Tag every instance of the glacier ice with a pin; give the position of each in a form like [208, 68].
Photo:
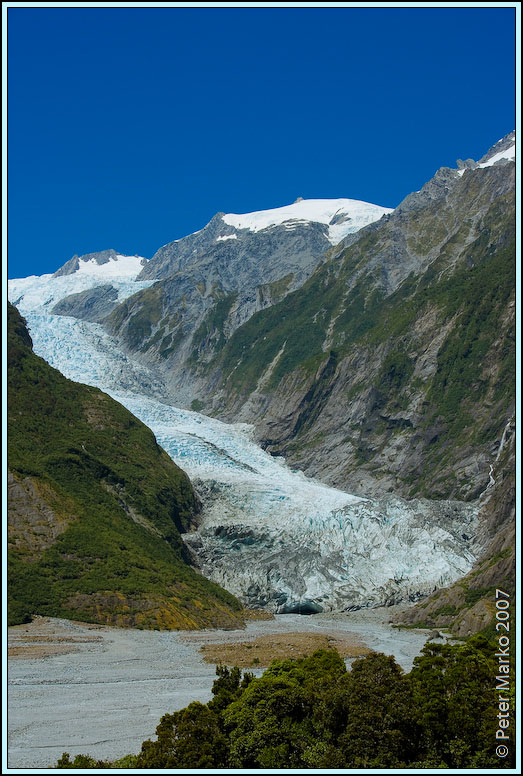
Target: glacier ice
[270, 535]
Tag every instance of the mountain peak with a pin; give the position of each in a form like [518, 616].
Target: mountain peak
[503, 149]
[342, 216]
[502, 152]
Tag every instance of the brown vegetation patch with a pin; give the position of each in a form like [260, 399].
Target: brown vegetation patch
[96, 412]
[154, 612]
[45, 637]
[32, 651]
[263, 650]
[257, 614]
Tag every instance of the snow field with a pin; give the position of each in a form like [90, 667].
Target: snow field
[357, 214]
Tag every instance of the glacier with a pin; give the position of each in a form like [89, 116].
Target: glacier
[273, 537]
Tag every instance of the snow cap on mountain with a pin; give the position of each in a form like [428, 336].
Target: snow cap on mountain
[502, 152]
[342, 216]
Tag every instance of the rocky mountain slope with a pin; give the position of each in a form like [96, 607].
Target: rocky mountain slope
[212, 281]
[469, 604]
[389, 369]
[95, 509]
[392, 367]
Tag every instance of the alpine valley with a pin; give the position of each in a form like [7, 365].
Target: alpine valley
[336, 379]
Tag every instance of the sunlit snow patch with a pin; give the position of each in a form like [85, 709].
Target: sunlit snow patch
[343, 216]
[118, 267]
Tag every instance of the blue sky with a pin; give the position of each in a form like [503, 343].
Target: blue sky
[131, 127]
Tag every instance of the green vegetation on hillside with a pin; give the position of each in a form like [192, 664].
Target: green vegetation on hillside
[211, 328]
[142, 324]
[476, 292]
[310, 713]
[96, 508]
[256, 344]
[142, 311]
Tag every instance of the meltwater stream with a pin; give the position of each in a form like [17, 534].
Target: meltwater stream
[270, 535]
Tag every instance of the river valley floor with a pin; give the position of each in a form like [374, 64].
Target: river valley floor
[96, 690]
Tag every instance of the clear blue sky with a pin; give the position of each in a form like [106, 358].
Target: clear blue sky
[132, 127]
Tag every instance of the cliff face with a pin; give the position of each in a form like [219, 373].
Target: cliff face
[392, 368]
[95, 509]
[469, 605]
[211, 282]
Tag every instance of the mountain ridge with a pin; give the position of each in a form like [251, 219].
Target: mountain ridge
[172, 257]
[378, 258]
[189, 326]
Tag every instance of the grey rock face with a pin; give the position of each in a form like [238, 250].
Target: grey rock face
[179, 254]
[337, 425]
[209, 287]
[339, 218]
[32, 524]
[246, 259]
[434, 190]
[469, 164]
[94, 304]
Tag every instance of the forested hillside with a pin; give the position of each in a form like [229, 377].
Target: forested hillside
[95, 509]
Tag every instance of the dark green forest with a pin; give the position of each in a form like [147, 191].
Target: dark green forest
[314, 713]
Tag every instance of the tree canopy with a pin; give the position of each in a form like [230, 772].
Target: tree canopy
[313, 713]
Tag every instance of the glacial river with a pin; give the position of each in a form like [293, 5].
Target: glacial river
[107, 696]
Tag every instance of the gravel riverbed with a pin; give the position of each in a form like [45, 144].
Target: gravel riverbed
[88, 689]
